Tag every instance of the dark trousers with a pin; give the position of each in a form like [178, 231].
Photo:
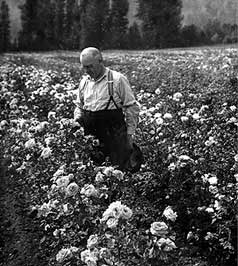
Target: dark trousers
[110, 128]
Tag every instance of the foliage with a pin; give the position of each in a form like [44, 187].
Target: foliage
[179, 209]
[93, 22]
[5, 43]
[212, 33]
[161, 22]
[119, 23]
[134, 39]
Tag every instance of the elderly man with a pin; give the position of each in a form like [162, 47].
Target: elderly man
[107, 108]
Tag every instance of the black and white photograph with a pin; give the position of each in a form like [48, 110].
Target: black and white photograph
[118, 132]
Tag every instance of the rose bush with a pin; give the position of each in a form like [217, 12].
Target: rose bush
[180, 205]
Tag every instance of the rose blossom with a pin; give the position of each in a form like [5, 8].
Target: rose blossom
[104, 253]
[72, 189]
[233, 108]
[126, 213]
[112, 222]
[209, 210]
[184, 118]
[63, 254]
[159, 121]
[89, 191]
[46, 153]
[91, 261]
[157, 91]
[63, 181]
[166, 244]
[108, 171]
[212, 180]
[167, 116]
[196, 116]
[118, 174]
[92, 241]
[30, 143]
[84, 254]
[236, 158]
[159, 228]
[44, 209]
[170, 214]
[99, 177]
[177, 96]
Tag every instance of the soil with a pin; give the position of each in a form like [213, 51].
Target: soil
[20, 233]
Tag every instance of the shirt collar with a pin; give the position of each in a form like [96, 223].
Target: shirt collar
[102, 77]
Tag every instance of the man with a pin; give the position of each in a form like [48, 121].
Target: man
[107, 108]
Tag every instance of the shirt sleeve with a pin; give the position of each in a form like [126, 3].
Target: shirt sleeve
[79, 101]
[130, 105]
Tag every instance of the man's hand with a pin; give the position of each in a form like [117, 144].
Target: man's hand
[130, 141]
[79, 120]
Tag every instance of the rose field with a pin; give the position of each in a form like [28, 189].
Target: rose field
[58, 208]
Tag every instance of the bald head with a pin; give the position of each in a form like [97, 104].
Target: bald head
[91, 61]
[91, 54]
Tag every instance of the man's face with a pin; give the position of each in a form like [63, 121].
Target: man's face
[92, 66]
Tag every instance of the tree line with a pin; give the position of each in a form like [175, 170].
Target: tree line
[75, 24]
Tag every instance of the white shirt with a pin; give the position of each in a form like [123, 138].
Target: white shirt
[94, 96]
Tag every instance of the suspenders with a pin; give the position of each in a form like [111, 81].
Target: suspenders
[110, 89]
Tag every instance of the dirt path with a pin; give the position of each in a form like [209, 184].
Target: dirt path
[19, 230]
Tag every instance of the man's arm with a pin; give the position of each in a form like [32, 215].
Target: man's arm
[79, 101]
[130, 105]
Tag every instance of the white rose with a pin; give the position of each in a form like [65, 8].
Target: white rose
[92, 241]
[232, 120]
[170, 214]
[209, 210]
[166, 244]
[99, 177]
[108, 171]
[217, 205]
[51, 115]
[213, 189]
[42, 126]
[159, 228]
[63, 254]
[177, 96]
[49, 140]
[63, 181]
[116, 209]
[159, 121]
[157, 115]
[104, 253]
[118, 174]
[85, 254]
[184, 158]
[89, 191]
[126, 213]
[44, 209]
[172, 167]
[167, 116]
[196, 116]
[112, 222]
[212, 180]
[184, 118]
[46, 153]
[72, 189]
[233, 108]
[30, 144]
[91, 261]
[3, 124]
[236, 177]
[157, 91]
[236, 158]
